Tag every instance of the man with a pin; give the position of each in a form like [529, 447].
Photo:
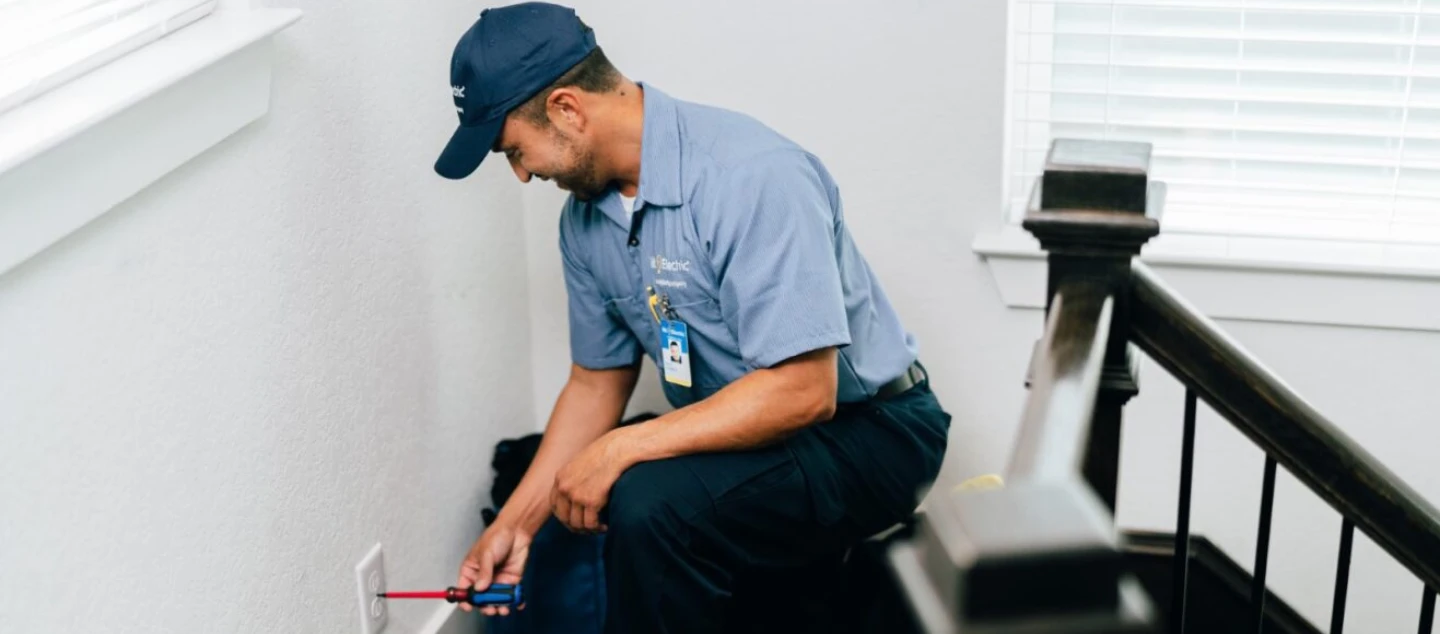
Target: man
[803, 422]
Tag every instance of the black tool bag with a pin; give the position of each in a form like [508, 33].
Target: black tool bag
[512, 457]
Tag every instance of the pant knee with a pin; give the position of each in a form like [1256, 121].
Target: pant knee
[651, 503]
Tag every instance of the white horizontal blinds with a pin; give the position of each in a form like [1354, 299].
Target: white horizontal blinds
[1305, 118]
[44, 43]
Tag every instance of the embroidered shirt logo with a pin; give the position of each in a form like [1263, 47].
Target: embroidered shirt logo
[662, 265]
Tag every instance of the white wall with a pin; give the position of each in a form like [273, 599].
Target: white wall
[217, 397]
[904, 103]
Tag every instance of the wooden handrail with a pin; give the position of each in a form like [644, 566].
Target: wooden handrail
[1065, 378]
[1282, 423]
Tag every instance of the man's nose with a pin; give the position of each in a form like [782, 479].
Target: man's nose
[520, 172]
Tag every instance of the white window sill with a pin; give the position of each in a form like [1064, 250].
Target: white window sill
[1258, 279]
[71, 154]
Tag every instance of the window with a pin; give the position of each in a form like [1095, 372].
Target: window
[44, 43]
[1293, 118]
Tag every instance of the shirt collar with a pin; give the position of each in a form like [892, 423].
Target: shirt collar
[659, 150]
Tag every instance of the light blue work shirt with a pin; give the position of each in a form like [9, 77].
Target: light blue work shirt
[743, 233]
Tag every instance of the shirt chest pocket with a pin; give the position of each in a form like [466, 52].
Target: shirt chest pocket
[694, 307]
[683, 283]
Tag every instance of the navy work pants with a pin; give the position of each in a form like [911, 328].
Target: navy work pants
[682, 530]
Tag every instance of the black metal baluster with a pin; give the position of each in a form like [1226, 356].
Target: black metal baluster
[1181, 567]
[1427, 611]
[1342, 577]
[1262, 545]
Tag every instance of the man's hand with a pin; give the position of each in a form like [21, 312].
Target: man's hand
[498, 556]
[582, 487]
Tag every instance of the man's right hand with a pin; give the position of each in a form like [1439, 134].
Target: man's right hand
[590, 405]
[497, 557]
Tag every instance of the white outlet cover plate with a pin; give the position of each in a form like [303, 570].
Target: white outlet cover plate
[369, 580]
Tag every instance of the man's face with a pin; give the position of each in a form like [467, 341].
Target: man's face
[552, 154]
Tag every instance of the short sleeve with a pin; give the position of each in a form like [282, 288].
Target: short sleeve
[598, 338]
[775, 253]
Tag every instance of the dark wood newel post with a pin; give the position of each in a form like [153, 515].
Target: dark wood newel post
[1092, 210]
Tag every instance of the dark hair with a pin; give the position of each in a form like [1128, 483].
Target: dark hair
[594, 74]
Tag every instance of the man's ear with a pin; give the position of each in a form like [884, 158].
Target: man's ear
[566, 109]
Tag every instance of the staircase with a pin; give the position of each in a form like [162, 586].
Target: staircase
[1218, 591]
[1043, 554]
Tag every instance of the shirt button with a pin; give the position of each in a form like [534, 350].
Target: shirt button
[634, 242]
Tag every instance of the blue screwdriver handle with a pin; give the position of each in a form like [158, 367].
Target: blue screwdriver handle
[498, 594]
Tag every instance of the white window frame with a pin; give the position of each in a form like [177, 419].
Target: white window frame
[72, 153]
[1269, 279]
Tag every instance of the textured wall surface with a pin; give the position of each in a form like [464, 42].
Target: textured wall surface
[217, 397]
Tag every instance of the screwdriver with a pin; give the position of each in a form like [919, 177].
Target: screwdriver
[497, 594]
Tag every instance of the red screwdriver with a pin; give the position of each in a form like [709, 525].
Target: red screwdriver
[497, 594]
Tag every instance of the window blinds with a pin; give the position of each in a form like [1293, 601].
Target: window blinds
[44, 43]
[1297, 118]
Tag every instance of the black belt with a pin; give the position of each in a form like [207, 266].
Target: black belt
[911, 377]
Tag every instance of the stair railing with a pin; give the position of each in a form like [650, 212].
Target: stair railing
[1043, 554]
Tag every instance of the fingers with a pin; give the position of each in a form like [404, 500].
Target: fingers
[501, 610]
[592, 519]
[577, 517]
[571, 513]
[484, 571]
[562, 511]
[487, 571]
[469, 572]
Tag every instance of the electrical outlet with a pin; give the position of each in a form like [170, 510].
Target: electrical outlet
[370, 580]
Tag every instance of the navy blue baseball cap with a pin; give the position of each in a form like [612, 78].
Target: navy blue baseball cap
[505, 58]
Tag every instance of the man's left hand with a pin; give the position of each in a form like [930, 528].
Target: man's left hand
[582, 487]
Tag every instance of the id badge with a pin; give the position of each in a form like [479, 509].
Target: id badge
[675, 351]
